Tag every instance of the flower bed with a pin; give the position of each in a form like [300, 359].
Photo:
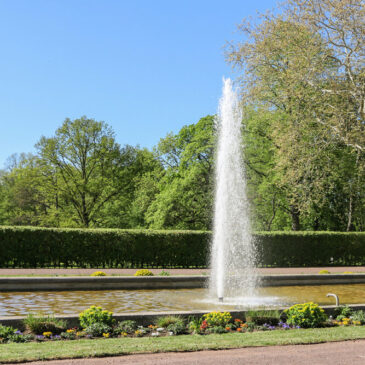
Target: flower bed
[98, 323]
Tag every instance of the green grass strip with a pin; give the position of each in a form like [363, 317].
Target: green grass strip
[121, 346]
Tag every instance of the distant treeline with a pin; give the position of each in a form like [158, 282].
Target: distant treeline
[303, 100]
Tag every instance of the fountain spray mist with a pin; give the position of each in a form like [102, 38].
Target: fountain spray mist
[232, 254]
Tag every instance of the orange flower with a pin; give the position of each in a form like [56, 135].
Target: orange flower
[239, 329]
[243, 325]
[228, 328]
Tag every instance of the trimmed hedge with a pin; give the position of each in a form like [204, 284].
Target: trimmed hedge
[51, 247]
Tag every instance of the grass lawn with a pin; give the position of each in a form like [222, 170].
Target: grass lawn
[118, 346]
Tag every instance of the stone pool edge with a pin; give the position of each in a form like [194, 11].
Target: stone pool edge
[147, 318]
[162, 282]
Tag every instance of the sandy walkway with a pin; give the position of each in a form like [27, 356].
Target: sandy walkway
[266, 271]
[333, 353]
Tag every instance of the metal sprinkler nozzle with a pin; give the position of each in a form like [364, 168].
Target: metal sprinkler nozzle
[220, 299]
[336, 298]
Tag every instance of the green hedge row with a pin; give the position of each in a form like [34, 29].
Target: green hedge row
[51, 247]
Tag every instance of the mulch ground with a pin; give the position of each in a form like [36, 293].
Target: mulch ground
[334, 353]
[266, 271]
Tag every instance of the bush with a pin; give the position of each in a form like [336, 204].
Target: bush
[323, 272]
[344, 311]
[97, 329]
[261, 317]
[178, 327]
[143, 272]
[6, 333]
[55, 247]
[127, 326]
[358, 316]
[305, 315]
[98, 273]
[40, 324]
[166, 321]
[94, 315]
[217, 319]
[164, 273]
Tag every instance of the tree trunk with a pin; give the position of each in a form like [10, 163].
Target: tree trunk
[350, 226]
[295, 223]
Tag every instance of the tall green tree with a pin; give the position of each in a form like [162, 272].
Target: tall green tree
[90, 166]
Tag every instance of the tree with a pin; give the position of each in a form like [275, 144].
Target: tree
[293, 70]
[184, 198]
[89, 165]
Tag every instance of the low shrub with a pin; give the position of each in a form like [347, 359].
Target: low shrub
[97, 329]
[194, 325]
[216, 319]
[217, 329]
[98, 273]
[40, 324]
[343, 311]
[95, 315]
[164, 273]
[6, 333]
[262, 317]
[125, 326]
[323, 272]
[143, 272]
[305, 315]
[178, 327]
[358, 316]
[166, 321]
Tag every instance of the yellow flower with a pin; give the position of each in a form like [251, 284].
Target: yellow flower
[124, 334]
[106, 335]
[47, 334]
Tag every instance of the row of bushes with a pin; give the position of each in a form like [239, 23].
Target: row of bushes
[108, 248]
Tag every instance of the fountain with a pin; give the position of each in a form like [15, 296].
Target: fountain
[233, 273]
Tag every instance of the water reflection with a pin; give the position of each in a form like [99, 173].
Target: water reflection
[132, 301]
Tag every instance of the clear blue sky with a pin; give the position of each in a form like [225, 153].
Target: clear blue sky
[146, 67]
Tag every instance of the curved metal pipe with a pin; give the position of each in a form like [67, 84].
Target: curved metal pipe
[336, 298]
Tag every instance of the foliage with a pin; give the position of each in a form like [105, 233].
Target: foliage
[6, 332]
[260, 317]
[45, 247]
[194, 325]
[94, 315]
[40, 324]
[342, 312]
[178, 327]
[164, 273]
[40, 247]
[97, 329]
[127, 326]
[166, 321]
[322, 272]
[98, 273]
[215, 319]
[305, 315]
[358, 316]
[302, 75]
[143, 272]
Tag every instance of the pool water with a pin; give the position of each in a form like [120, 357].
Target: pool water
[134, 301]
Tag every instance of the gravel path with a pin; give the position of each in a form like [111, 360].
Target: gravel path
[334, 353]
[266, 271]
